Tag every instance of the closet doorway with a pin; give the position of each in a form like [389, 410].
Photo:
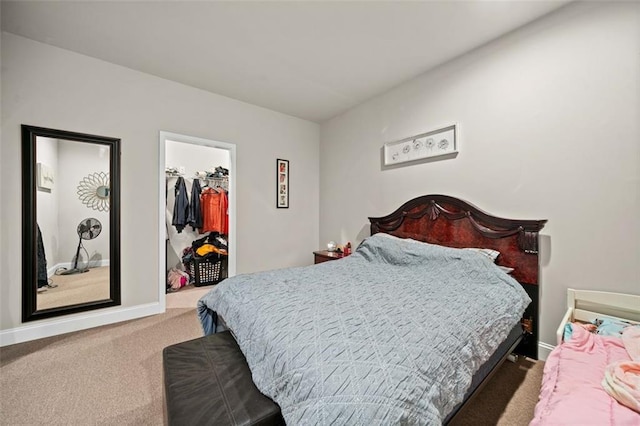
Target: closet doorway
[187, 162]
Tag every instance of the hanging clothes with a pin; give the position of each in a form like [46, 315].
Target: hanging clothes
[215, 206]
[195, 212]
[181, 206]
[41, 259]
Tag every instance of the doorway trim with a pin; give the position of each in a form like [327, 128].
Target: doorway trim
[162, 230]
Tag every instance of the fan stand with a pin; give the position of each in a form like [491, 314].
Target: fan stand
[75, 269]
[89, 229]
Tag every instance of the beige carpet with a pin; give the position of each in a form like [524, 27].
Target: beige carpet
[76, 288]
[508, 399]
[112, 375]
[186, 297]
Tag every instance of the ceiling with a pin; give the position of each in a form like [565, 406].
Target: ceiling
[312, 60]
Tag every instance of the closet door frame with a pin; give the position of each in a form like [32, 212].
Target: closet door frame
[162, 231]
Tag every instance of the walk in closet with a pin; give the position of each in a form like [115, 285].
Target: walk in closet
[197, 214]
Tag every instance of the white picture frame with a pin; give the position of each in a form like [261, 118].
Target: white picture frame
[436, 143]
[45, 176]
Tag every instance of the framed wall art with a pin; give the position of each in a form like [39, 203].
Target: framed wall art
[436, 143]
[45, 177]
[282, 192]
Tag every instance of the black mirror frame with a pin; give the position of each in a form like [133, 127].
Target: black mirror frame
[30, 310]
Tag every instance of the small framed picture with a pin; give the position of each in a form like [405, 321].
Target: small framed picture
[45, 177]
[282, 184]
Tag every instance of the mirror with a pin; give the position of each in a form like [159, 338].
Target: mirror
[71, 222]
[103, 192]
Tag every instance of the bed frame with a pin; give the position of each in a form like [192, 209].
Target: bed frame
[449, 221]
[588, 305]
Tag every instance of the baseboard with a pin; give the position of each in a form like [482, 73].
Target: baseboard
[67, 265]
[544, 349]
[69, 323]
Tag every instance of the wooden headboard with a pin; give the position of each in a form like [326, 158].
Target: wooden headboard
[449, 221]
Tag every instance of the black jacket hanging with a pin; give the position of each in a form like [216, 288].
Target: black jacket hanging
[194, 217]
[42, 259]
[181, 206]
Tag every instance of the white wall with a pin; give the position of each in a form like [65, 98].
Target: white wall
[47, 200]
[548, 120]
[1, 141]
[195, 158]
[78, 93]
[77, 161]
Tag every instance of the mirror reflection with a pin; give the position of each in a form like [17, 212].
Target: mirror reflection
[103, 192]
[73, 246]
[71, 222]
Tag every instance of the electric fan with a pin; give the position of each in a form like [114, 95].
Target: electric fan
[88, 229]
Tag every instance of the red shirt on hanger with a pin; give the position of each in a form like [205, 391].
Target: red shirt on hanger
[214, 204]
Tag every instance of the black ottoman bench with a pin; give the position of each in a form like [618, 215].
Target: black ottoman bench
[207, 382]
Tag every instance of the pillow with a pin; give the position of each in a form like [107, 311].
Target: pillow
[611, 327]
[491, 254]
[406, 240]
[505, 269]
[382, 234]
[603, 327]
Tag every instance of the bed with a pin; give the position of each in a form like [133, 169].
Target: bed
[405, 330]
[599, 334]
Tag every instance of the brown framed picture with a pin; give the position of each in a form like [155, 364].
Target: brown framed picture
[282, 184]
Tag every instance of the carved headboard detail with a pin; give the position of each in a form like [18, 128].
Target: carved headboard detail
[449, 221]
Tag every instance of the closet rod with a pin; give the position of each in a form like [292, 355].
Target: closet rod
[223, 179]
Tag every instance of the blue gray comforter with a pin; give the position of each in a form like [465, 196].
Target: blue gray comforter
[389, 335]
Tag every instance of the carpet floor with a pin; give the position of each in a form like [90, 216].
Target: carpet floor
[112, 375]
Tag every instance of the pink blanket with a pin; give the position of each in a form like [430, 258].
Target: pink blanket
[572, 393]
[622, 378]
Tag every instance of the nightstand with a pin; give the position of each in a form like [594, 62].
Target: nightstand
[325, 256]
